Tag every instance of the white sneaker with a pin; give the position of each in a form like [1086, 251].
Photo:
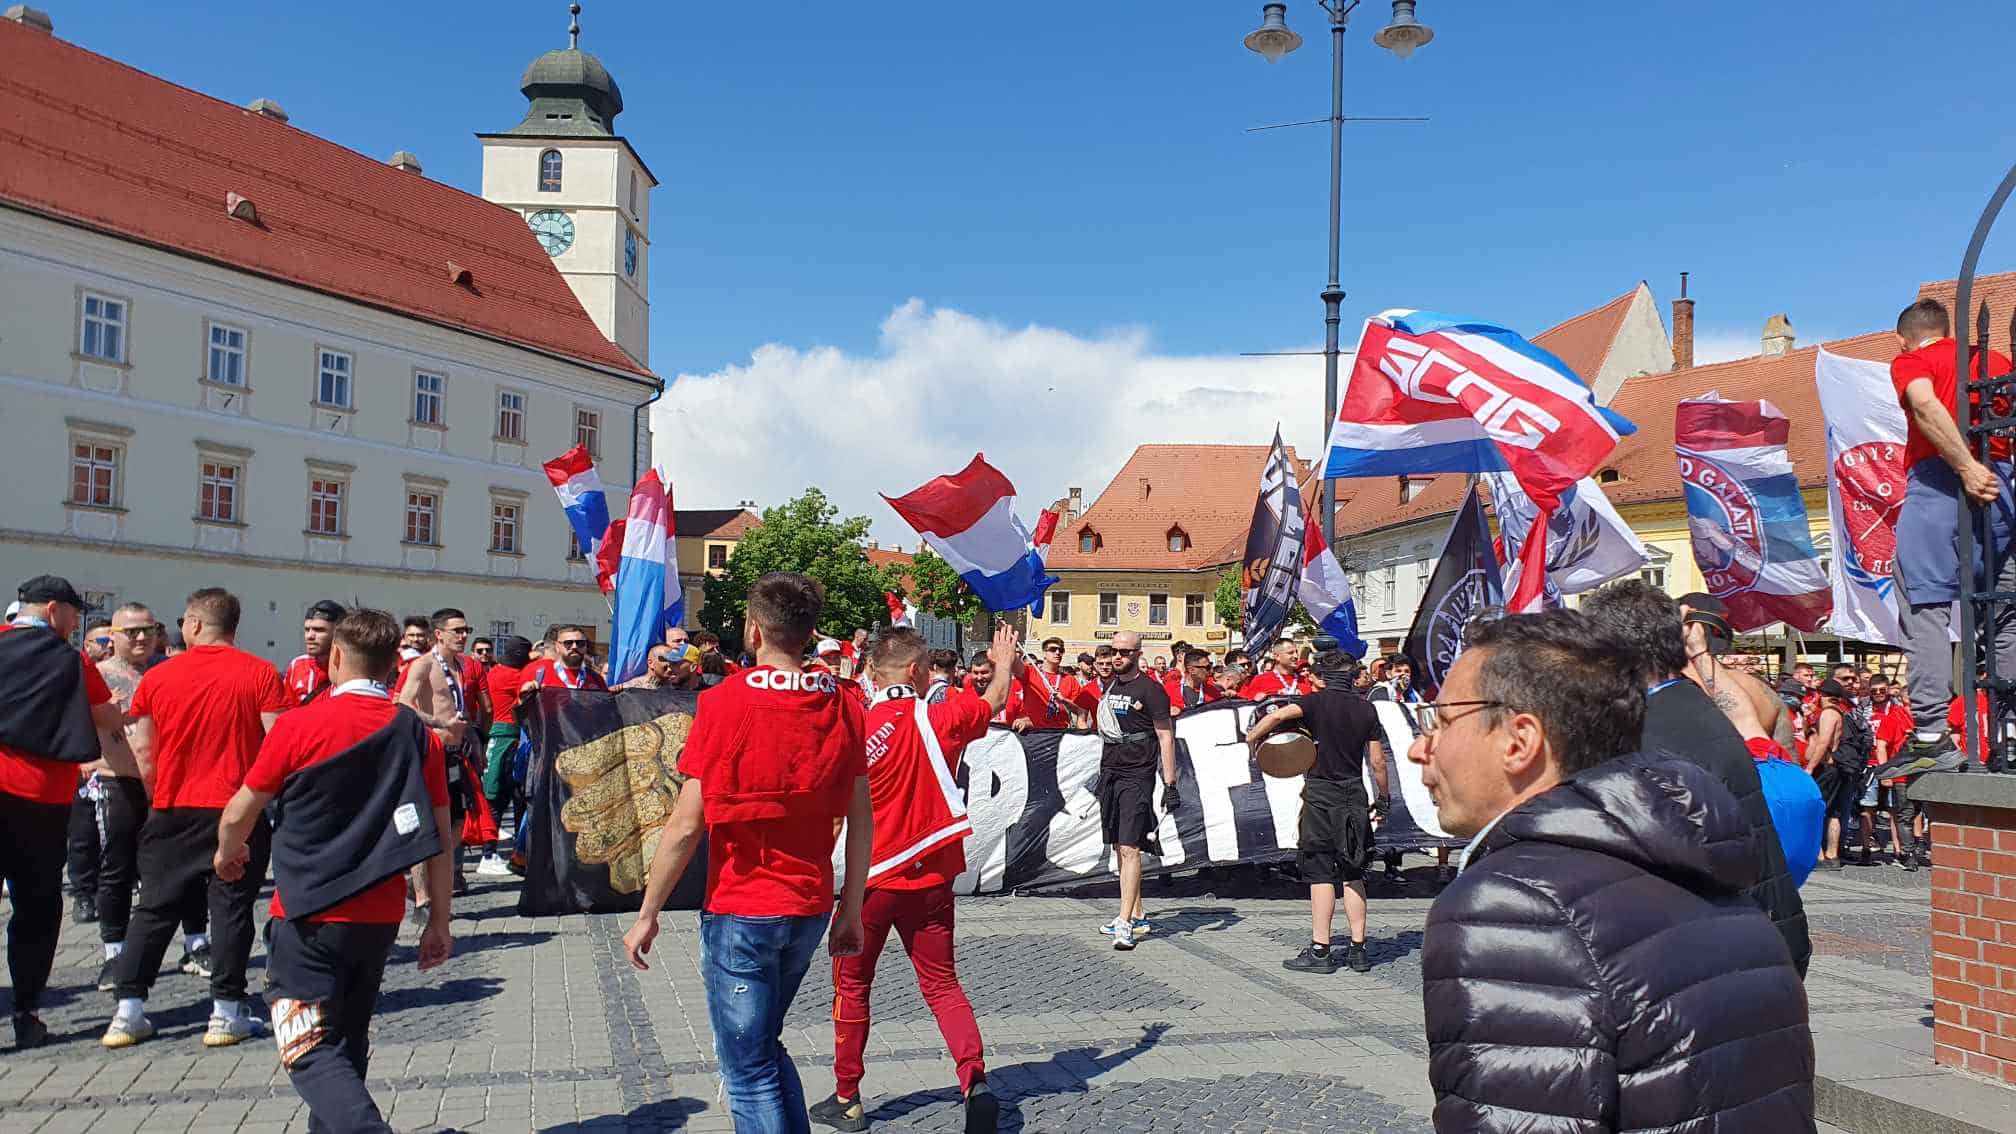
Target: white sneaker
[124, 1032]
[228, 1031]
[493, 866]
[1123, 935]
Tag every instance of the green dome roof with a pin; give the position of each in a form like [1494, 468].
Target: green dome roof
[572, 76]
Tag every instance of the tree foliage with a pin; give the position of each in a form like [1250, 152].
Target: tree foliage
[807, 535]
[938, 590]
[1230, 599]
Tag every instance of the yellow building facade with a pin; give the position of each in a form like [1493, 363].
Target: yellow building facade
[1087, 608]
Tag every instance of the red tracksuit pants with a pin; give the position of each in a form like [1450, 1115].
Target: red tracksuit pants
[922, 919]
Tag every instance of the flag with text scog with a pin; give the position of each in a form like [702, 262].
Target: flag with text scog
[1465, 586]
[1745, 515]
[1588, 543]
[1865, 454]
[969, 519]
[1433, 393]
[579, 488]
[1273, 562]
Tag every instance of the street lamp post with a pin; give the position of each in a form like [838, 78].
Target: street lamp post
[1272, 40]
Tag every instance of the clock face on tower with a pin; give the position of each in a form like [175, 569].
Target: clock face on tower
[629, 252]
[554, 229]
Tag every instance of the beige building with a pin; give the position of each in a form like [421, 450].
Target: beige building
[1148, 553]
[706, 537]
[283, 367]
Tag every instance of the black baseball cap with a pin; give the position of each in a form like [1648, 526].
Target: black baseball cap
[1833, 688]
[49, 588]
[1712, 614]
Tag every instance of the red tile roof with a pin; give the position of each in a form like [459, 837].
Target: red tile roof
[93, 142]
[714, 523]
[1207, 490]
[1584, 341]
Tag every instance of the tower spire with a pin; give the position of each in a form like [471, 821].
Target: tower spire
[574, 27]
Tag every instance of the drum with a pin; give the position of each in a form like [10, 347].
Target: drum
[1289, 750]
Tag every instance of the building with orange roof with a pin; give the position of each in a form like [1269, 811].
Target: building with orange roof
[240, 354]
[705, 538]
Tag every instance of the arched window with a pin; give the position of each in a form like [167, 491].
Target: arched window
[1608, 476]
[549, 171]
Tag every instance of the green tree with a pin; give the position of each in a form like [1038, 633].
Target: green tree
[1230, 599]
[937, 589]
[807, 535]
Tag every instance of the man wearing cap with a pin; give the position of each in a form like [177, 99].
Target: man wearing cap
[828, 656]
[54, 709]
[1837, 753]
[1747, 702]
[666, 668]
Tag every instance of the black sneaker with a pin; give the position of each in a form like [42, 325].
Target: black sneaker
[29, 1031]
[84, 910]
[983, 1110]
[1310, 961]
[196, 962]
[840, 1116]
[105, 981]
[1355, 957]
[1864, 858]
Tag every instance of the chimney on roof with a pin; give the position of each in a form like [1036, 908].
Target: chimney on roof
[874, 545]
[1683, 328]
[1077, 497]
[30, 17]
[268, 108]
[406, 160]
[1778, 337]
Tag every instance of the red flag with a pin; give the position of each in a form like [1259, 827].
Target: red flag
[899, 615]
[609, 555]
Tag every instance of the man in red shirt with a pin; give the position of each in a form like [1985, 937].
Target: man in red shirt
[199, 718]
[308, 674]
[1940, 467]
[1890, 719]
[775, 756]
[352, 774]
[1193, 689]
[1049, 695]
[569, 669]
[919, 848]
[501, 681]
[41, 696]
[1283, 680]
[980, 674]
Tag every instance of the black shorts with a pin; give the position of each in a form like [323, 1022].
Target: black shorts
[1127, 808]
[1335, 838]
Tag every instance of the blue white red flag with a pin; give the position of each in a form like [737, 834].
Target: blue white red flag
[969, 519]
[1746, 516]
[579, 487]
[1588, 543]
[1325, 592]
[1046, 529]
[1437, 393]
[649, 599]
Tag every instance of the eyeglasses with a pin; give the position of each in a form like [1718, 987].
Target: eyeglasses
[455, 629]
[1118, 652]
[1053, 649]
[573, 644]
[104, 641]
[1435, 716]
[136, 631]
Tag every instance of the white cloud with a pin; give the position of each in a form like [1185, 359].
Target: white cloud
[1726, 346]
[1049, 408]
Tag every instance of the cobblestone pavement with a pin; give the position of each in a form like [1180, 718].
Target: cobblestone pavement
[539, 1025]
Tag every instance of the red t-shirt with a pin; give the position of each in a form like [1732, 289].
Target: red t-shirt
[1272, 684]
[502, 683]
[1173, 685]
[958, 720]
[205, 704]
[1934, 362]
[310, 735]
[1893, 726]
[1011, 709]
[550, 674]
[48, 781]
[1984, 736]
[1046, 699]
[305, 677]
[775, 867]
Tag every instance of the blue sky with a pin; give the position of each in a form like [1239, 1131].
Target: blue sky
[1082, 167]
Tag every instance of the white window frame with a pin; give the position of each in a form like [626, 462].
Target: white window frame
[105, 455]
[337, 369]
[588, 432]
[507, 519]
[224, 477]
[113, 318]
[508, 412]
[1197, 604]
[1158, 610]
[503, 628]
[214, 351]
[323, 489]
[1389, 588]
[1179, 541]
[1109, 600]
[438, 396]
[1060, 607]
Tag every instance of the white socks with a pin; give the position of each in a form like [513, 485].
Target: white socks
[113, 949]
[195, 941]
[228, 1009]
[130, 1008]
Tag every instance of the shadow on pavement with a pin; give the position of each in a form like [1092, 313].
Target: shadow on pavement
[670, 1114]
[1065, 1072]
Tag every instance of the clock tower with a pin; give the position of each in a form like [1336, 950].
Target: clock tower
[582, 189]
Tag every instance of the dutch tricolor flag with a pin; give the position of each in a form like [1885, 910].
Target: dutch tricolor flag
[969, 519]
[579, 487]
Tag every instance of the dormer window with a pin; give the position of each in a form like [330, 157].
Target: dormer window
[1088, 541]
[1608, 476]
[1179, 540]
[549, 171]
[1411, 486]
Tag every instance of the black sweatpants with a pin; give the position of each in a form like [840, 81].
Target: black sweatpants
[119, 813]
[176, 846]
[84, 849]
[322, 982]
[33, 839]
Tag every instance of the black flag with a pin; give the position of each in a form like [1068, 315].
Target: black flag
[1465, 585]
[1273, 551]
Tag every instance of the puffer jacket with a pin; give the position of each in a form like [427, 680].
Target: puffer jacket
[1597, 967]
[1681, 721]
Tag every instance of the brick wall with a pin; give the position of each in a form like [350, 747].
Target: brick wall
[1974, 939]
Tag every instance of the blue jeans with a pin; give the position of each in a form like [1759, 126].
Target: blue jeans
[753, 966]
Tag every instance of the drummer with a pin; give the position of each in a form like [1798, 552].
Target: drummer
[1335, 841]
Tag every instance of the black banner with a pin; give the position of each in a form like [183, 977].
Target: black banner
[1465, 584]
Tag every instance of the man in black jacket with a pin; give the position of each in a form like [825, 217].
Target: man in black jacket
[1681, 721]
[1596, 965]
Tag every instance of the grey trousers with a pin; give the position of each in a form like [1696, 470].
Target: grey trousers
[1928, 631]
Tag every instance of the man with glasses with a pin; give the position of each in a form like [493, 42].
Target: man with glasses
[1049, 694]
[569, 668]
[308, 673]
[1139, 739]
[1283, 680]
[1597, 962]
[98, 639]
[1194, 688]
[483, 650]
[445, 688]
[665, 668]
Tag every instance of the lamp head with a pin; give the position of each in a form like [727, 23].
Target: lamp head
[1404, 33]
[1273, 39]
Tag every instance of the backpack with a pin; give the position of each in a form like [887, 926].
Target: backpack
[1857, 745]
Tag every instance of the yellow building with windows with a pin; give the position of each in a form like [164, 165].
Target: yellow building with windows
[705, 538]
